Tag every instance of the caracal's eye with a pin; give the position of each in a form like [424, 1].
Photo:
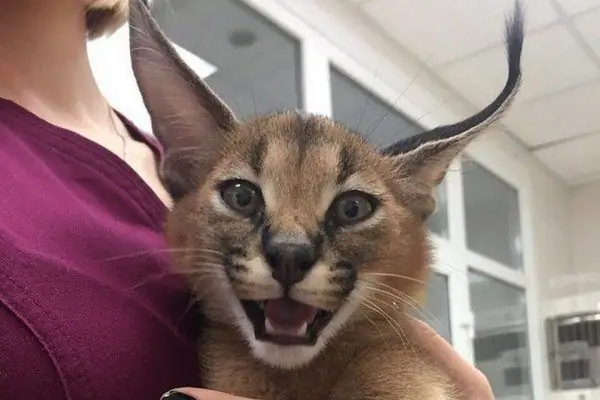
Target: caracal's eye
[353, 207]
[241, 196]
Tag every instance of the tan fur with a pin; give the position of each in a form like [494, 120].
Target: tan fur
[363, 363]
[104, 17]
[397, 246]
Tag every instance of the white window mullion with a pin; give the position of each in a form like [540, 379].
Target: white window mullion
[536, 333]
[456, 205]
[450, 262]
[316, 80]
[496, 270]
[462, 322]
[462, 319]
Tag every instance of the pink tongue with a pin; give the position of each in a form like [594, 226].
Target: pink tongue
[289, 314]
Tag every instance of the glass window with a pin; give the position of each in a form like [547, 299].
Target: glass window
[360, 110]
[493, 223]
[501, 347]
[436, 310]
[257, 64]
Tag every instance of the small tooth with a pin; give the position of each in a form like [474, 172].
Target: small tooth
[302, 330]
[269, 328]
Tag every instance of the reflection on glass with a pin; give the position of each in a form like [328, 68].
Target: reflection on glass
[437, 305]
[257, 63]
[493, 222]
[500, 345]
[360, 110]
[438, 221]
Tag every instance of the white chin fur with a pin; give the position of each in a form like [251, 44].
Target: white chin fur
[291, 357]
[285, 357]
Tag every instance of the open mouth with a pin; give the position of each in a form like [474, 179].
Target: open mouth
[286, 321]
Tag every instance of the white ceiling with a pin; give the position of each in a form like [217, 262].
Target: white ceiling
[557, 114]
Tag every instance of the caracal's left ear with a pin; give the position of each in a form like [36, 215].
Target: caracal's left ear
[188, 119]
[422, 161]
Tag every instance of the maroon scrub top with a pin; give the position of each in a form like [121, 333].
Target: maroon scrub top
[88, 309]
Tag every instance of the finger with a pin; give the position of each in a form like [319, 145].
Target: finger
[198, 394]
[470, 379]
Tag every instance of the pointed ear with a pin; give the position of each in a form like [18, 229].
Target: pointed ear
[188, 119]
[424, 159]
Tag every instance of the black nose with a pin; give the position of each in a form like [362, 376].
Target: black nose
[290, 262]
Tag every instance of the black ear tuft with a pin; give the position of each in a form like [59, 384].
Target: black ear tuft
[188, 119]
[427, 156]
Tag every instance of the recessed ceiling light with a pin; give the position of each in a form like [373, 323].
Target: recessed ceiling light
[242, 38]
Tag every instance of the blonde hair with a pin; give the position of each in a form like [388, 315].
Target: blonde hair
[103, 17]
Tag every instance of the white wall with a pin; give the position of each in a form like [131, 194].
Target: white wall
[585, 240]
[552, 253]
[576, 286]
[552, 225]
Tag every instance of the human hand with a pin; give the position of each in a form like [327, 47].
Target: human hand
[472, 382]
[198, 394]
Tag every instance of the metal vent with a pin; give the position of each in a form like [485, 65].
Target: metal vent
[574, 351]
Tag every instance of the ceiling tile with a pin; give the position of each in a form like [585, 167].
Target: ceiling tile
[588, 24]
[551, 62]
[437, 31]
[574, 161]
[577, 6]
[562, 115]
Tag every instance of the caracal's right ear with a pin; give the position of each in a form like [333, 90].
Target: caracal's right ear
[189, 120]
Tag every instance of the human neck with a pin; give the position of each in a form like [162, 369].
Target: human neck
[44, 64]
